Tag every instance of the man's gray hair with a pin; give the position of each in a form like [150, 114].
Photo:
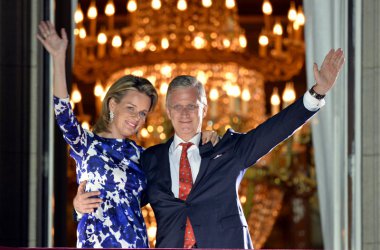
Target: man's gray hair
[185, 81]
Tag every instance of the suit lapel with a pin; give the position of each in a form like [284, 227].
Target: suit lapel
[165, 167]
[205, 151]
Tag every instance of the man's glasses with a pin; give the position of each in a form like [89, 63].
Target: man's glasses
[190, 108]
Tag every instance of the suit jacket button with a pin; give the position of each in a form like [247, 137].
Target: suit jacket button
[188, 204]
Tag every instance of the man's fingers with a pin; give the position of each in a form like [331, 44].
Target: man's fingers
[90, 201]
[81, 187]
[87, 211]
[214, 139]
[91, 206]
[89, 195]
[316, 72]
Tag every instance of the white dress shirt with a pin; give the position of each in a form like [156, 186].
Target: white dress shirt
[311, 103]
[193, 155]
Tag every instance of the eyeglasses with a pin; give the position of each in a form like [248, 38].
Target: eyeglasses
[191, 108]
[140, 114]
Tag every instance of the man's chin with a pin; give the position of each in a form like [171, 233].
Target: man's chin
[186, 134]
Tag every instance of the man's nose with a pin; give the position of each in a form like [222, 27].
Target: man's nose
[185, 111]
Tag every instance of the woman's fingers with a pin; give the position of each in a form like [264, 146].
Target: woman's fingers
[63, 34]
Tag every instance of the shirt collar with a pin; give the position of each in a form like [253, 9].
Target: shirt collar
[195, 140]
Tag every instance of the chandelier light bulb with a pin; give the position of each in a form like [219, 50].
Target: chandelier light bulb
[199, 42]
[206, 3]
[156, 4]
[160, 129]
[182, 5]
[78, 15]
[202, 77]
[263, 40]
[246, 95]
[226, 43]
[145, 134]
[166, 70]
[98, 89]
[296, 25]
[85, 125]
[292, 13]
[277, 29]
[163, 88]
[230, 76]
[236, 91]
[92, 12]
[289, 94]
[214, 94]
[275, 98]
[233, 90]
[72, 104]
[230, 4]
[243, 41]
[116, 41]
[164, 43]
[300, 16]
[132, 6]
[152, 79]
[76, 96]
[267, 7]
[110, 8]
[140, 45]
[150, 128]
[162, 136]
[82, 33]
[102, 38]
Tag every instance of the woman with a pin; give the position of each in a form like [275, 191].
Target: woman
[106, 158]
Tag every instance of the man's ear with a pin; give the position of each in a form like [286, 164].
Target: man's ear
[168, 112]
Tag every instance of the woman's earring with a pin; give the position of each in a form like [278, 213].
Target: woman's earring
[112, 115]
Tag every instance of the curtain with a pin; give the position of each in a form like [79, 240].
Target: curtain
[325, 28]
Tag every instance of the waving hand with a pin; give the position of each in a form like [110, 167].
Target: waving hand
[49, 38]
[326, 76]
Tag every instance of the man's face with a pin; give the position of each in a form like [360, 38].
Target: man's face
[186, 112]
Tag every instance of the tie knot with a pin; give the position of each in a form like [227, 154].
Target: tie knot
[186, 145]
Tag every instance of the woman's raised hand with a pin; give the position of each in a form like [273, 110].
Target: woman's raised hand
[54, 44]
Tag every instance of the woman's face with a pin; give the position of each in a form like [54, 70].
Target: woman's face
[130, 114]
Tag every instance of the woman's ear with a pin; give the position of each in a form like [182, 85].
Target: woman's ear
[111, 104]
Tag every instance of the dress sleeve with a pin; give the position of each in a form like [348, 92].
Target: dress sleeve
[73, 133]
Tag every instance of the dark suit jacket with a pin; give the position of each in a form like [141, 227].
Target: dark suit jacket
[213, 205]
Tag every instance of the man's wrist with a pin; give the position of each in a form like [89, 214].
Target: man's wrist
[316, 94]
[77, 216]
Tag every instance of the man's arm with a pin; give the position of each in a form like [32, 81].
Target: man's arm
[256, 143]
[84, 202]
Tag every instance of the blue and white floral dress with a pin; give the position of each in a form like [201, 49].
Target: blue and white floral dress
[112, 167]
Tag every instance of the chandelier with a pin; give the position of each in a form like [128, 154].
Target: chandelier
[160, 39]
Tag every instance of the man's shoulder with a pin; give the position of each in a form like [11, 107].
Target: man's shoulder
[155, 148]
[159, 147]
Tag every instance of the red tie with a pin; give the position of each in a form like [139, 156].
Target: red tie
[185, 185]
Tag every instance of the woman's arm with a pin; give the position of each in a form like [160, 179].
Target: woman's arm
[56, 46]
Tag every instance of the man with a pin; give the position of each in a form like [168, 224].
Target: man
[193, 189]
